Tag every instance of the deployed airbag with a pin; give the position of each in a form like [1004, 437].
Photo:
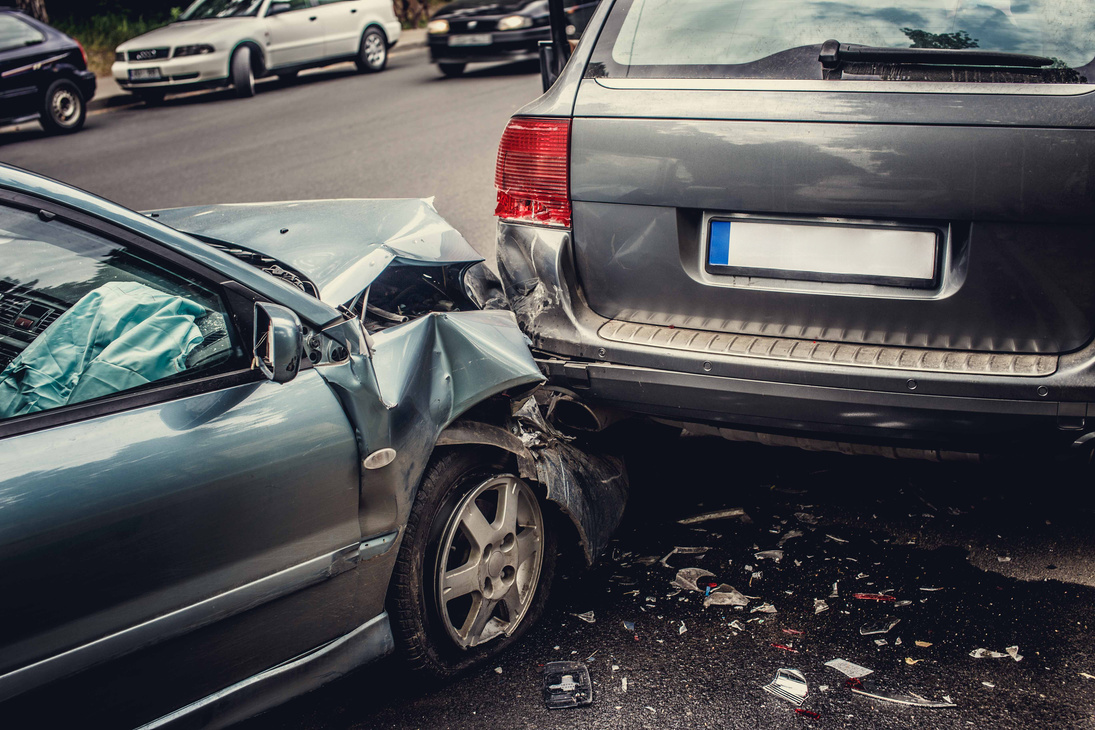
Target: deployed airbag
[119, 336]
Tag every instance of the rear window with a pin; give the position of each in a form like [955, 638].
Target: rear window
[783, 38]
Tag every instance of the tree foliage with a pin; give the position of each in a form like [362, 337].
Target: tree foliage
[924, 39]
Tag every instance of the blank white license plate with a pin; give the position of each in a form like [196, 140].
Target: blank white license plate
[474, 39]
[838, 253]
[144, 74]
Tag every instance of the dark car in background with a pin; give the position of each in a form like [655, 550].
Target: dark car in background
[43, 75]
[482, 31]
[859, 226]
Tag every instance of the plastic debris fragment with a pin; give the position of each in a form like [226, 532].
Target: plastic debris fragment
[848, 669]
[820, 605]
[717, 515]
[882, 597]
[623, 684]
[789, 535]
[790, 685]
[878, 627]
[912, 662]
[725, 595]
[806, 518]
[880, 642]
[987, 654]
[834, 538]
[736, 625]
[683, 551]
[990, 685]
[835, 593]
[566, 684]
[629, 625]
[773, 555]
[763, 608]
[587, 617]
[1085, 675]
[498, 670]
[688, 578]
[923, 644]
[794, 632]
[681, 629]
[911, 698]
[808, 713]
[785, 647]
[1013, 652]
[930, 589]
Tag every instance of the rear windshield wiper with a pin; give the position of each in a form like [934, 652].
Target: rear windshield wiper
[833, 54]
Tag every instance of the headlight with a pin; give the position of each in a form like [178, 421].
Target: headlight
[513, 22]
[119, 56]
[199, 50]
[438, 26]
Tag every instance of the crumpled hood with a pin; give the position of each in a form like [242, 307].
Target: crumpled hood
[213, 31]
[340, 245]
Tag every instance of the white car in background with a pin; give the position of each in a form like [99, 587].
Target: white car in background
[233, 42]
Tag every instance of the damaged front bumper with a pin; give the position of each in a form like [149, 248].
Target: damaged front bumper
[917, 414]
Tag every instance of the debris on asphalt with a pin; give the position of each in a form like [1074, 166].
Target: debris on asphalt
[773, 555]
[881, 642]
[785, 647]
[763, 608]
[789, 535]
[990, 685]
[794, 632]
[878, 627]
[623, 685]
[681, 629]
[910, 698]
[987, 654]
[819, 606]
[912, 662]
[717, 515]
[725, 595]
[808, 713]
[587, 617]
[1003, 558]
[806, 518]
[566, 684]
[835, 593]
[882, 597]
[790, 685]
[834, 538]
[678, 550]
[1013, 652]
[930, 589]
[848, 669]
[1085, 675]
[923, 644]
[687, 578]
[736, 625]
[498, 670]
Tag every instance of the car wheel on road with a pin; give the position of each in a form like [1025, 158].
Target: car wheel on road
[372, 56]
[475, 566]
[452, 69]
[243, 73]
[63, 108]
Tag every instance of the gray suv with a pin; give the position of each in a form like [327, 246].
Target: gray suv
[843, 226]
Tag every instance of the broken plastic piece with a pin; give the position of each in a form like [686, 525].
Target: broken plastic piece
[873, 597]
[930, 589]
[806, 518]
[848, 669]
[629, 625]
[725, 595]
[835, 593]
[912, 662]
[688, 578]
[784, 647]
[1013, 652]
[710, 516]
[588, 617]
[681, 629]
[820, 605]
[774, 555]
[911, 698]
[682, 551]
[567, 684]
[878, 627]
[763, 608]
[808, 713]
[789, 535]
[880, 642]
[790, 685]
[987, 654]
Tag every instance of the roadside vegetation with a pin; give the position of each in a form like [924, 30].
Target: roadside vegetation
[101, 34]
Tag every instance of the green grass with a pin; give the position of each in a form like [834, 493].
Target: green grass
[101, 34]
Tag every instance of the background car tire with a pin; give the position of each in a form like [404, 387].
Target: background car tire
[422, 631]
[452, 69]
[372, 54]
[63, 108]
[243, 73]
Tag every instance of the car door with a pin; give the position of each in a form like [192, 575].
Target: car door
[20, 75]
[294, 36]
[150, 483]
[343, 23]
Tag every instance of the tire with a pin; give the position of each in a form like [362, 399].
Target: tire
[243, 73]
[64, 110]
[151, 98]
[372, 54]
[458, 485]
[452, 70]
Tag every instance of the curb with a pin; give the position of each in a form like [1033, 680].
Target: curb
[124, 98]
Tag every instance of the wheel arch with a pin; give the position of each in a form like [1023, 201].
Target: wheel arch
[258, 57]
[378, 26]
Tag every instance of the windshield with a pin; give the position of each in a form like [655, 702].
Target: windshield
[203, 9]
[666, 37]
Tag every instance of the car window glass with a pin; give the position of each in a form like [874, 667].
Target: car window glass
[83, 317]
[329, 2]
[745, 38]
[14, 33]
[203, 9]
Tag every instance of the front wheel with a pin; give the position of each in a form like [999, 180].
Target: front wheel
[243, 73]
[372, 56]
[63, 108]
[475, 566]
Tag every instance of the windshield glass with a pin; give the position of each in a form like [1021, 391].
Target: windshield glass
[712, 35]
[203, 9]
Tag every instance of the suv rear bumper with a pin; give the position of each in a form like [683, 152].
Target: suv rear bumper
[915, 408]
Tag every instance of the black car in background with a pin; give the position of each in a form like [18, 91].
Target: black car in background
[481, 31]
[43, 75]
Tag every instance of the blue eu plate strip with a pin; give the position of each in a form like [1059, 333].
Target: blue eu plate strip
[718, 248]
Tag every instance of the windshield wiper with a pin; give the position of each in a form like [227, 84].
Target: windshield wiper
[833, 54]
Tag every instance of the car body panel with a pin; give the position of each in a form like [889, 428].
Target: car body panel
[26, 72]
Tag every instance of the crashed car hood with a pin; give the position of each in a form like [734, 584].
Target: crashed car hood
[341, 246]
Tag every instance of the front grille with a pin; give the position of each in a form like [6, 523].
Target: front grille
[465, 26]
[830, 353]
[149, 54]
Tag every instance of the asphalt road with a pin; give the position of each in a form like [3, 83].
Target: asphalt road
[406, 132]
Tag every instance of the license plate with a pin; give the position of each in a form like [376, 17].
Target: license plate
[857, 254]
[474, 39]
[144, 74]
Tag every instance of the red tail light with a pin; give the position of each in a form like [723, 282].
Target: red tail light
[82, 52]
[533, 171]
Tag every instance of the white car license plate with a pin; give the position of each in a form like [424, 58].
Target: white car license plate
[823, 252]
[144, 74]
[474, 39]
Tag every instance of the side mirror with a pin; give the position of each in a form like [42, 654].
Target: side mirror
[548, 72]
[277, 7]
[278, 341]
